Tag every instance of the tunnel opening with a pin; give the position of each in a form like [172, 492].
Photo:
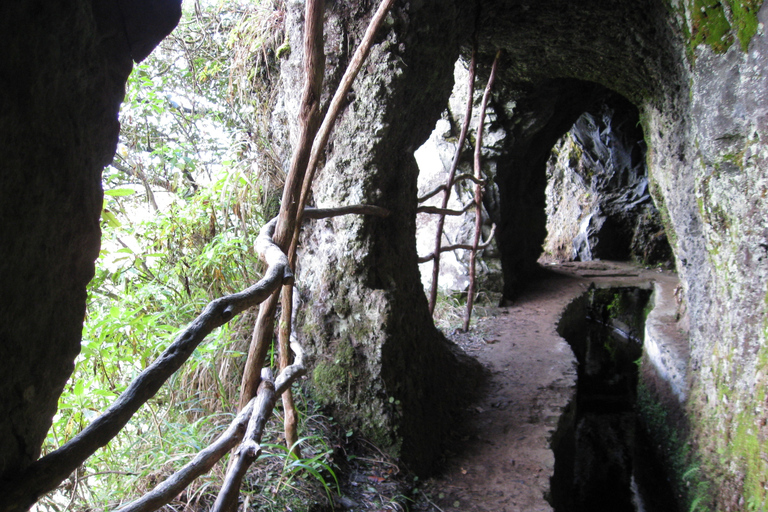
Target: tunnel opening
[603, 457]
[566, 179]
[598, 201]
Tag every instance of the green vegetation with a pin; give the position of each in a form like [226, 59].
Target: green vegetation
[672, 439]
[717, 23]
[190, 186]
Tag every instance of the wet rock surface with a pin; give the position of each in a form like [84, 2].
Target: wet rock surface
[598, 202]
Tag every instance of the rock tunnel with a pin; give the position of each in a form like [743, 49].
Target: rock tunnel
[702, 106]
[539, 99]
[582, 197]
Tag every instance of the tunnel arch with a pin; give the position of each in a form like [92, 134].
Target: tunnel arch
[367, 268]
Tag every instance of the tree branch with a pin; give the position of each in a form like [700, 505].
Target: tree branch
[466, 247]
[249, 449]
[254, 416]
[444, 211]
[451, 180]
[48, 472]
[458, 179]
[290, 208]
[202, 463]
[479, 190]
[361, 209]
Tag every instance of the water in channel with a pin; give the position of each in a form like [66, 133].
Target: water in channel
[602, 460]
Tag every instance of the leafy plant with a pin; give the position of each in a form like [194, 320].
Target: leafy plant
[317, 465]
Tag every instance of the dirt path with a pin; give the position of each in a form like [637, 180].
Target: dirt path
[505, 462]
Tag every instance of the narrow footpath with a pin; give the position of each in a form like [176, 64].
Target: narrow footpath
[504, 462]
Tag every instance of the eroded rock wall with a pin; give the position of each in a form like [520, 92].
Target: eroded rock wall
[376, 358]
[598, 202]
[62, 78]
[709, 166]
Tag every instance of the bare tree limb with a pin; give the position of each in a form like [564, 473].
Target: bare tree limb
[360, 209]
[254, 414]
[458, 179]
[431, 193]
[444, 211]
[290, 416]
[466, 247]
[318, 146]
[291, 373]
[479, 190]
[289, 216]
[48, 472]
[338, 100]
[451, 174]
[249, 449]
[201, 464]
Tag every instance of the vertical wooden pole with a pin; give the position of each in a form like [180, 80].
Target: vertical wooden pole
[478, 191]
[309, 121]
[449, 183]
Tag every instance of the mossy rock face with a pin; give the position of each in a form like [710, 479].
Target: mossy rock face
[704, 127]
[718, 23]
[376, 359]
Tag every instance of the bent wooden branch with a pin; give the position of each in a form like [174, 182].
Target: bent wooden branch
[466, 247]
[444, 211]
[290, 211]
[242, 429]
[201, 464]
[48, 472]
[478, 191]
[458, 179]
[451, 174]
[249, 449]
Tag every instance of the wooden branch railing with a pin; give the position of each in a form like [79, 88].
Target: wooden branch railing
[440, 188]
[315, 144]
[451, 180]
[201, 464]
[249, 449]
[47, 473]
[479, 190]
[465, 247]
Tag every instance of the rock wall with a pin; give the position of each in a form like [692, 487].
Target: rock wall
[64, 67]
[598, 202]
[377, 361]
[709, 167]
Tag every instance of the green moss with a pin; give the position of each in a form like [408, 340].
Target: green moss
[738, 434]
[334, 380]
[715, 22]
[666, 221]
[683, 466]
[745, 19]
[284, 51]
[709, 25]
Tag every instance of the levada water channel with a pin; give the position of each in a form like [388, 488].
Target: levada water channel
[602, 459]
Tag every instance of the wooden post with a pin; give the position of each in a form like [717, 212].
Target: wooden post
[309, 121]
[450, 183]
[478, 192]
